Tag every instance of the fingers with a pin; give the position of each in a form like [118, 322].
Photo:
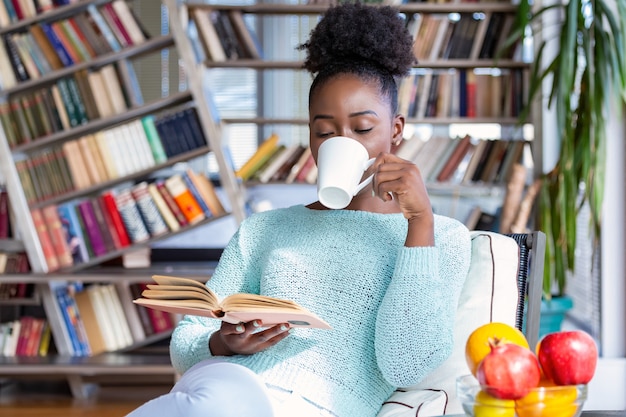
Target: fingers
[249, 338]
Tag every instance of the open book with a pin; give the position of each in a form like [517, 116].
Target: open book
[188, 296]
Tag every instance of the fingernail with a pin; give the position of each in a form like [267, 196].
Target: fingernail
[256, 324]
[239, 328]
[283, 327]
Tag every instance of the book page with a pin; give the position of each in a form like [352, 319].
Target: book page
[188, 296]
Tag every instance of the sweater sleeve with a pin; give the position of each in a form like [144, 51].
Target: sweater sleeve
[415, 321]
[235, 273]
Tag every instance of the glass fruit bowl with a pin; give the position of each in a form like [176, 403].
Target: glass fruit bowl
[549, 401]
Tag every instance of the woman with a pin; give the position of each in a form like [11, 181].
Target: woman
[385, 272]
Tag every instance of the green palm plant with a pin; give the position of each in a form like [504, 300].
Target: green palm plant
[587, 74]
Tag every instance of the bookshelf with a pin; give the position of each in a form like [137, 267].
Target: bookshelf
[462, 59]
[83, 158]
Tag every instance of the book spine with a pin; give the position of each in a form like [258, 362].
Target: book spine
[116, 25]
[14, 57]
[165, 211]
[45, 240]
[196, 194]
[148, 209]
[77, 100]
[153, 139]
[86, 210]
[116, 218]
[77, 244]
[184, 199]
[171, 204]
[146, 324]
[107, 226]
[68, 318]
[127, 21]
[104, 29]
[4, 214]
[131, 217]
[58, 236]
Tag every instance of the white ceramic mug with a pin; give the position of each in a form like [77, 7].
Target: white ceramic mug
[341, 162]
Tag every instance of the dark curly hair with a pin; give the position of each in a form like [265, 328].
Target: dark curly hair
[371, 42]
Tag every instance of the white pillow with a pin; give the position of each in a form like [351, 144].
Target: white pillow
[489, 294]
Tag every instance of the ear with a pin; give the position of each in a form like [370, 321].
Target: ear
[397, 131]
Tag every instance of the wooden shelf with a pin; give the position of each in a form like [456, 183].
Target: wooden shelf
[438, 64]
[312, 9]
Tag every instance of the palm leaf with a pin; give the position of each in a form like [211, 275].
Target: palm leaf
[587, 75]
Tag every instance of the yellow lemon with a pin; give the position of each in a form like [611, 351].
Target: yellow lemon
[548, 400]
[487, 406]
[479, 342]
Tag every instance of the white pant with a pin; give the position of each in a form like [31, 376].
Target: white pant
[214, 388]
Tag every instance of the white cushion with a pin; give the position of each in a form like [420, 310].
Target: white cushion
[489, 294]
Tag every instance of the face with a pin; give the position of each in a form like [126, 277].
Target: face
[348, 106]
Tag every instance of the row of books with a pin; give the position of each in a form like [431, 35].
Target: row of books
[25, 336]
[78, 231]
[45, 47]
[72, 101]
[224, 35]
[109, 154]
[13, 263]
[463, 160]
[277, 162]
[88, 320]
[462, 93]
[12, 11]
[460, 36]
[5, 214]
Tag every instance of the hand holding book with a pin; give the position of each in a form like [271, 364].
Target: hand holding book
[188, 296]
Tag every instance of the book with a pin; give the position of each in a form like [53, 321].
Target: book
[261, 155]
[73, 322]
[130, 83]
[94, 234]
[208, 35]
[164, 209]
[100, 25]
[207, 192]
[75, 237]
[135, 290]
[188, 296]
[148, 209]
[45, 240]
[116, 25]
[4, 214]
[104, 315]
[112, 212]
[133, 223]
[191, 186]
[130, 311]
[113, 89]
[90, 318]
[128, 21]
[171, 204]
[58, 236]
[158, 153]
[184, 199]
[454, 159]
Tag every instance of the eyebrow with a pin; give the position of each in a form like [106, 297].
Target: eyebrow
[355, 114]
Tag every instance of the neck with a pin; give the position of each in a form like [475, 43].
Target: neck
[364, 202]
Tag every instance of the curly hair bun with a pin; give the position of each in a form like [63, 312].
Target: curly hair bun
[354, 33]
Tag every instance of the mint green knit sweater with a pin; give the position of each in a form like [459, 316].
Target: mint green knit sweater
[391, 307]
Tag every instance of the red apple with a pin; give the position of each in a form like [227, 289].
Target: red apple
[568, 357]
[509, 371]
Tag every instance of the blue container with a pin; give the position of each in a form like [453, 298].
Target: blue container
[553, 313]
